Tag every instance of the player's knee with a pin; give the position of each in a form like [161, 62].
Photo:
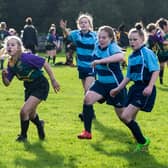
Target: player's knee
[24, 112]
[88, 99]
[124, 118]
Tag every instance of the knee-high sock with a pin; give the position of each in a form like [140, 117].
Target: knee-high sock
[54, 58]
[88, 116]
[24, 127]
[161, 73]
[136, 131]
[36, 121]
[48, 59]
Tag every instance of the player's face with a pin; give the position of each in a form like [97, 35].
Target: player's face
[12, 47]
[84, 24]
[135, 40]
[165, 28]
[104, 39]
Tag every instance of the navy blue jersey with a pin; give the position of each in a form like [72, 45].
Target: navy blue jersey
[51, 38]
[141, 64]
[108, 73]
[85, 44]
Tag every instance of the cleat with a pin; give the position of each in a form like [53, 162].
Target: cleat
[85, 135]
[143, 147]
[21, 138]
[40, 130]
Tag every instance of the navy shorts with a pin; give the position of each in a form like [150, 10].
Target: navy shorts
[38, 88]
[136, 97]
[84, 75]
[162, 58]
[104, 90]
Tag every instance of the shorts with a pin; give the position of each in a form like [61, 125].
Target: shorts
[104, 90]
[136, 98]
[162, 58]
[38, 88]
[49, 47]
[84, 75]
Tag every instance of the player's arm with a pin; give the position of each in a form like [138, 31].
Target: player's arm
[54, 83]
[148, 90]
[119, 57]
[5, 80]
[63, 25]
[116, 90]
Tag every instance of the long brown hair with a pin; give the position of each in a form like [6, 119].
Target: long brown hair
[109, 30]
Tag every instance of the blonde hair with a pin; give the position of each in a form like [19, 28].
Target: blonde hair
[88, 17]
[12, 60]
[18, 40]
[3, 25]
[140, 30]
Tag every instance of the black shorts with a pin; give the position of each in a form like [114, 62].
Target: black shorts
[162, 58]
[50, 47]
[38, 88]
[84, 75]
[136, 97]
[104, 90]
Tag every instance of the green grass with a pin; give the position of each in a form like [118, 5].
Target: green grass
[112, 143]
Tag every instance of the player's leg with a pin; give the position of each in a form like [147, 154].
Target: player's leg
[29, 106]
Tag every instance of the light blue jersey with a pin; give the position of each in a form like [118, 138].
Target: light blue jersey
[141, 64]
[85, 44]
[108, 73]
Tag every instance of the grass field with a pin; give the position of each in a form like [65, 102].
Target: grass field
[112, 144]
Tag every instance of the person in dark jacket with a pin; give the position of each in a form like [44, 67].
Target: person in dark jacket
[30, 35]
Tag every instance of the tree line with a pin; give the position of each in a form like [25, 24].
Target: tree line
[106, 12]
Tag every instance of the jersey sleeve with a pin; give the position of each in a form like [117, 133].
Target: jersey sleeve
[34, 60]
[114, 49]
[152, 61]
[73, 36]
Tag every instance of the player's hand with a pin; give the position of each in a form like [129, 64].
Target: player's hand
[147, 91]
[4, 72]
[94, 63]
[114, 92]
[63, 24]
[55, 85]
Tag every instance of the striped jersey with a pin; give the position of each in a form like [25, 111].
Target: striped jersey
[108, 73]
[85, 44]
[141, 64]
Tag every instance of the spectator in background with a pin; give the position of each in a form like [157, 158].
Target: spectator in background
[123, 41]
[52, 44]
[70, 48]
[30, 35]
[12, 32]
[3, 34]
[162, 32]
[123, 37]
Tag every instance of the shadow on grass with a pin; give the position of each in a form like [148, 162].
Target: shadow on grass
[139, 159]
[111, 133]
[134, 160]
[42, 158]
